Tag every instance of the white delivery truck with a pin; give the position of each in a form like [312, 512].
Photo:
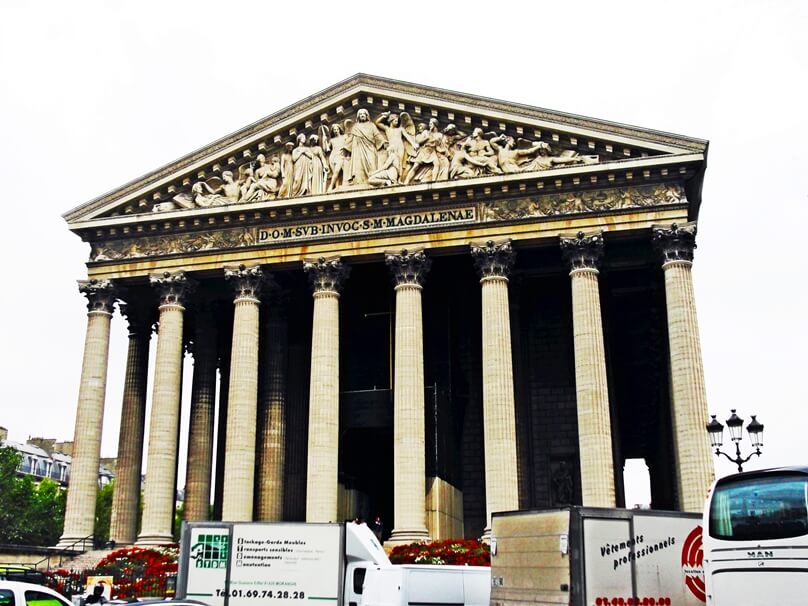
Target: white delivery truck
[297, 564]
[587, 556]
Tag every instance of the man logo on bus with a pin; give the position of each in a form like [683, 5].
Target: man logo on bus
[692, 564]
[210, 551]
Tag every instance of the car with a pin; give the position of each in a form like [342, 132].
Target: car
[16, 593]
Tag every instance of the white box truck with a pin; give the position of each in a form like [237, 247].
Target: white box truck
[297, 564]
[586, 556]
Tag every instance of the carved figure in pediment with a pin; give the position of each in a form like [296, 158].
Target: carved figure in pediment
[463, 165]
[389, 173]
[483, 153]
[511, 158]
[338, 157]
[266, 180]
[302, 167]
[363, 143]
[216, 191]
[319, 166]
[400, 133]
[431, 161]
[287, 170]
[544, 160]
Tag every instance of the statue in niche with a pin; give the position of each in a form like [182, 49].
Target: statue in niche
[364, 140]
[431, 161]
[338, 158]
[389, 172]
[562, 484]
[400, 133]
[319, 166]
[287, 170]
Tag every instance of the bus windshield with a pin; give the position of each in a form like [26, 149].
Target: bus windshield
[760, 508]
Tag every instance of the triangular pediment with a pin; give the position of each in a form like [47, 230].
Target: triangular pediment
[372, 135]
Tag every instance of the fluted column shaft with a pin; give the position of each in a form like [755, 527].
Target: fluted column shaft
[81, 495]
[160, 491]
[200, 430]
[494, 261]
[126, 498]
[694, 463]
[242, 401]
[409, 464]
[272, 416]
[583, 254]
[323, 453]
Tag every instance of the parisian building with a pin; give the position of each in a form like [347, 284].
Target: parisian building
[399, 301]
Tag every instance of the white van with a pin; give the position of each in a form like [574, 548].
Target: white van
[427, 585]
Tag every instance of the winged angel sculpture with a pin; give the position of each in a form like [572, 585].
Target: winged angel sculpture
[361, 153]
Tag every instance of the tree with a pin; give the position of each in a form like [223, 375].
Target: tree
[103, 513]
[30, 513]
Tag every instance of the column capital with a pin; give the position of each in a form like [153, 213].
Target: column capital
[582, 251]
[101, 295]
[326, 275]
[246, 281]
[494, 259]
[138, 317]
[408, 267]
[173, 288]
[675, 243]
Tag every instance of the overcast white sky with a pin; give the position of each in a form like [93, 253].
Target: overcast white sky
[94, 94]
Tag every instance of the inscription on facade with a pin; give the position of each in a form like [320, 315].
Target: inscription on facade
[527, 208]
[315, 231]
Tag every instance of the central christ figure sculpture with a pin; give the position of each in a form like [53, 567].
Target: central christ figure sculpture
[363, 143]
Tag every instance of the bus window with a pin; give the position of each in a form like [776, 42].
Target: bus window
[6, 597]
[760, 508]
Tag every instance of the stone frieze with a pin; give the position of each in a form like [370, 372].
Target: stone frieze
[569, 203]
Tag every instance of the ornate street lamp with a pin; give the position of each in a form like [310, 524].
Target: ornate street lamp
[735, 425]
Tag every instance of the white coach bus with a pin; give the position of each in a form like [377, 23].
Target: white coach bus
[756, 539]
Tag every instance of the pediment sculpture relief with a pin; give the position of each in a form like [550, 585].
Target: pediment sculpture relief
[366, 153]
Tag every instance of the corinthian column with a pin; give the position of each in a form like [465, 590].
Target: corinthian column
[494, 261]
[159, 492]
[242, 401]
[583, 254]
[409, 467]
[80, 507]
[694, 463]
[326, 277]
[203, 405]
[272, 413]
[125, 500]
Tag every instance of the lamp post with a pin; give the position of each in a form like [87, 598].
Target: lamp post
[735, 425]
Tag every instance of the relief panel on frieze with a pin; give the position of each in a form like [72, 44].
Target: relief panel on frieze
[370, 225]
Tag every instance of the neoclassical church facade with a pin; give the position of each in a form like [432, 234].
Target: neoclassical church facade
[399, 301]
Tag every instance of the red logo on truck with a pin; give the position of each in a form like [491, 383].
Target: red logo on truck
[693, 564]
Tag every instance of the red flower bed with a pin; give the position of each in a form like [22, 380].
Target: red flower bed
[461, 552]
[138, 572]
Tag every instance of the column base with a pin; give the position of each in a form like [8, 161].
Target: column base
[75, 543]
[486, 538]
[406, 536]
[154, 540]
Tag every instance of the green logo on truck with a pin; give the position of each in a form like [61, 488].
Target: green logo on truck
[210, 551]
